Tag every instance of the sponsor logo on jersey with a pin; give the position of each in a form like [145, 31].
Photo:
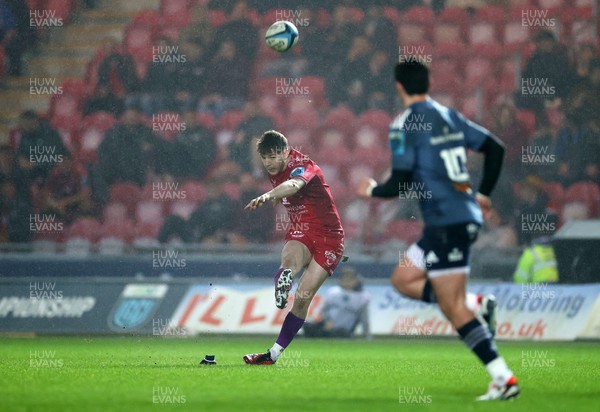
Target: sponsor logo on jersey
[397, 141]
[299, 171]
[297, 234]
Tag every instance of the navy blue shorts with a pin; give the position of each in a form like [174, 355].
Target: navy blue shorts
[444, 250]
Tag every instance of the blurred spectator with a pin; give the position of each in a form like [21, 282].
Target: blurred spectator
[548, 75]
[241, 149]
[253, 227]
[584, 56]
[160, 87]
[66, 193]
[512, 132]
[584, 155]
[537, 264]
[191, 76]
[7, 190]
[547, 155]
[344, 308]
[128, 153]
[117, 71]
[104, 100]
[339, 35]
[40, 148]
[238, 30]
[212, 222]
[531, 210]
[380, 31]
[577, 108]
[594, 107]
[228, 81]
[347, 81]
[200, 30]
[194, 149]
[312, 51]
[16, 33]
[377, 83]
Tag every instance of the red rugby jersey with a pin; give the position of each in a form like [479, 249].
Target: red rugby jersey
[312, 207]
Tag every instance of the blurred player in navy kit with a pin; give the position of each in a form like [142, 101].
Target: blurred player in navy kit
[429, 145]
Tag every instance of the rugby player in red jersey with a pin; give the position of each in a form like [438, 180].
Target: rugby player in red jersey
[314, 241]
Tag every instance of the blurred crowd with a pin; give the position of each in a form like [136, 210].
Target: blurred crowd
[206, 77]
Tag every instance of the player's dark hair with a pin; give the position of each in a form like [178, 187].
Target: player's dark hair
[413, 76]
[271, 142]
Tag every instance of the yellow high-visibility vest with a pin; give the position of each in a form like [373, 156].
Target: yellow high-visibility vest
[537, 264]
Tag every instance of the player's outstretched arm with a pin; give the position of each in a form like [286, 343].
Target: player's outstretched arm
[287, 188]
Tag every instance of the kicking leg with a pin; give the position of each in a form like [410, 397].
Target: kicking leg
[311, 281]
[294, 257]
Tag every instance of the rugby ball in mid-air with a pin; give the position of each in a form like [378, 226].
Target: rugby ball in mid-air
[281, 36]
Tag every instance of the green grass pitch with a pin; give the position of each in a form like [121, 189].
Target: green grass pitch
[391, 374]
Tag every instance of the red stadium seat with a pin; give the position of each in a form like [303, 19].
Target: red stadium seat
[123, 230]
[357, 14]
[169, 32]
[486, 25]
[65, 105]
[194, 190]
[85, 228]
[114, 212]
[587, 193]
[149, 210]
[175, 12]
[230, 120]
[556, 196]
[357, 172]
[148, 229]
[217, 17]
[232, 190]
[527, 117]
[342, 118]
[307, 118]
[299, 138]
[371, 138]
[515, 33]
[138, 42]
[415, 25]
[316, 89]
[323, 18]
[470, 106]
[392, 14]
[148, 17]
[207, 120]
[62, 8]
[332, 147]
[377, 119]
[450, 25]
[126, 193]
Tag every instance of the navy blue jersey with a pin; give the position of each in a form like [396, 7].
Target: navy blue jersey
[431, 140]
